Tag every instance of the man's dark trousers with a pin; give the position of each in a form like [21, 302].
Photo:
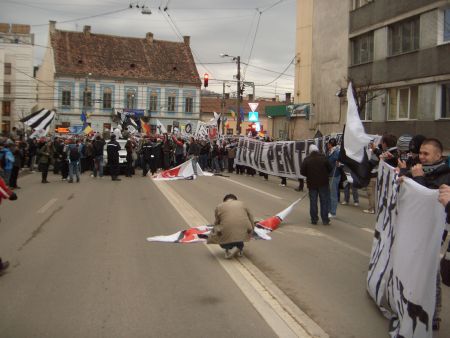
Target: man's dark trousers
[323, 193]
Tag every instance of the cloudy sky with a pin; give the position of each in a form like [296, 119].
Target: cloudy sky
[215, 27]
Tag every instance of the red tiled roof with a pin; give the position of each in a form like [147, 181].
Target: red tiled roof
[213, 104]
[108, 56]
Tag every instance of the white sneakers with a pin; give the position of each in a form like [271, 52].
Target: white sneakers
[368, 211]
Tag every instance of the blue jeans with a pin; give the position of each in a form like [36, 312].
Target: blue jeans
[324, 195]
[334, 190]
[354, 193]
[203, 159]
[98, 165]
[74, 168]
[215, 164]
[194, 162]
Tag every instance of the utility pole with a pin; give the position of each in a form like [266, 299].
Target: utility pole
[223, 107]
[238, 112]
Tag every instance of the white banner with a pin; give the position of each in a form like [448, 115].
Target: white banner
[405, 253]
[281, 158]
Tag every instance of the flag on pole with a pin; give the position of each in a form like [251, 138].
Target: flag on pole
[40, 119]
[160, 127]
[145, 127]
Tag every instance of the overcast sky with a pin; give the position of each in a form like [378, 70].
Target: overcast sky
[215, 26]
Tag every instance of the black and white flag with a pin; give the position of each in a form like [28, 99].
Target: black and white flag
[39, 120]
[405, 254]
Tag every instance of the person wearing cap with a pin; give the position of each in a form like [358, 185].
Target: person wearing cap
[316, 168]
[112, 149]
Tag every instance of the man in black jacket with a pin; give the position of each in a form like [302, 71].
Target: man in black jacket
[146, 157]
[444, 198]
[98, 146]
[316, 168]
[112, 149]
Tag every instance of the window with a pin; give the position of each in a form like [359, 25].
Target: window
[360, 3]
[447, 25]
[362, 49]
[365, 105]
[107, 98]
[87, 99]
[7, 69]
[66, 98]
[403, 103]
[6, 108]
[189, 102]
[445, 108]
[106, 126]
[6, 88]
[171, 103]
[130, 102]
[404, 36]
[230, 131]
[153, 102]
[153, 128]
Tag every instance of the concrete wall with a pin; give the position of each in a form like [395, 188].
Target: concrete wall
[383, 10]
[329, 65]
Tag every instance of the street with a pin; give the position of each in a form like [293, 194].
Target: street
[81, 265]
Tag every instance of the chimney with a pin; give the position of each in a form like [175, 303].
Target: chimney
[187, 40]
[250, 97]
[52, 26]
[227, 96]
[288, 97]
[87, 30]
[149, 38]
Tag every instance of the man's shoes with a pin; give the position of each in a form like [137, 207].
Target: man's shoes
[283, 185]
[368, 211]
[240, 253]
[70, 181]
[45, 182]
[356, 204]
[314, 222]
[330, 215]
[326, 223]
[117, 179]
[232, 252]
[4, 266]
[78, 180]
[298, 189]
[344, 203]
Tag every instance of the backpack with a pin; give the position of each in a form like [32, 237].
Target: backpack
[74, 154]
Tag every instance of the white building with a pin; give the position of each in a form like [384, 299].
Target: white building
[99, 73]
[17, 84]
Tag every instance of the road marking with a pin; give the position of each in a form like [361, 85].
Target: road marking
[279, 312]
[47, 206]
[368, 230]
[314, 232]
[252, 188]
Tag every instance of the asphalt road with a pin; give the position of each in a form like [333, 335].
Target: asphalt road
[81, 266]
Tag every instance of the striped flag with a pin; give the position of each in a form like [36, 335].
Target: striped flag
[39, 120]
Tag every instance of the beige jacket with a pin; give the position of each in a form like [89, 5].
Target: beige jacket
[234, 223]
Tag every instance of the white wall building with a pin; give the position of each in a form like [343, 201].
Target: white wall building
[17, 84]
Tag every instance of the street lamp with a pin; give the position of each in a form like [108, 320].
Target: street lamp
[238, 101]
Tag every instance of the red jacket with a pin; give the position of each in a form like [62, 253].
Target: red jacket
[5, 192]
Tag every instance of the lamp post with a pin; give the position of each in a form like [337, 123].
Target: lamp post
[238, 93]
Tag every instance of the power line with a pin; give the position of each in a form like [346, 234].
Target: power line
[284, 71]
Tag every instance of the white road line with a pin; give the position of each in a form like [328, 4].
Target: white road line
[47, 206]
[252, 188]
[368, 230]
[280, 313]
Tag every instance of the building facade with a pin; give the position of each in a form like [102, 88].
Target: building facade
[17, 86]
[99, 74]
[400, 61]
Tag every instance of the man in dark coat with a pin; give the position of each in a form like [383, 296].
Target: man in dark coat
[316, 168]
[112, 149]
[146, 151]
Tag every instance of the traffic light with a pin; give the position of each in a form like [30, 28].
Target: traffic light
[205, 80]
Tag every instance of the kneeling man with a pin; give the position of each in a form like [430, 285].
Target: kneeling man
[232, 227]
